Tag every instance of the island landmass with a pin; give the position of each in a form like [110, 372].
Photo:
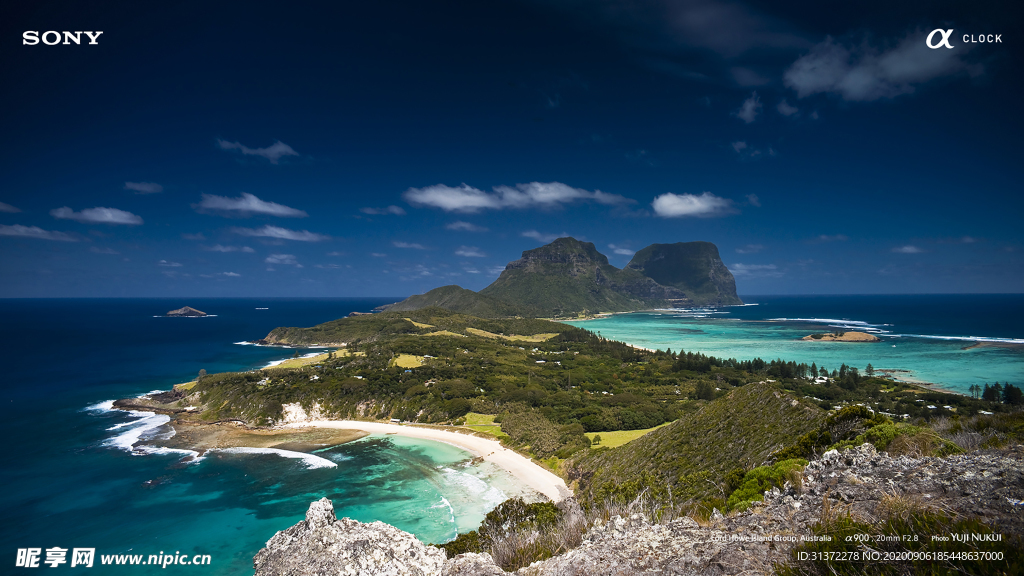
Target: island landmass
[843, 337]
[187, 311]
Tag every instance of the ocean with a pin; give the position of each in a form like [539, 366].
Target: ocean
[70, 482]
[928, 338]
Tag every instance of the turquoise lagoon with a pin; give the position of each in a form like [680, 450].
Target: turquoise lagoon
[930, 338]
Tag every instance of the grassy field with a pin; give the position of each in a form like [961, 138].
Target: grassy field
[407, 361]
[419, 324]
[512, 337]
[484, 423]
[619, 437]
[444, 333]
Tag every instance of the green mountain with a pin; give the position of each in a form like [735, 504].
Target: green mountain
[691, 456]
[458, 299]
[568, 277]
[695, 268]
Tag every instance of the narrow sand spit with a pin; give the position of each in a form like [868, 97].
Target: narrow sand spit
[528, 472]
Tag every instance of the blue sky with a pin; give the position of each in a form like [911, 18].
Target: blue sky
[335, 149]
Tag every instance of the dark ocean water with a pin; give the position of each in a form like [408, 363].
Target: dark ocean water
[67, 483]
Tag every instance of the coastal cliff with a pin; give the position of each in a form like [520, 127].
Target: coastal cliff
[858, 488]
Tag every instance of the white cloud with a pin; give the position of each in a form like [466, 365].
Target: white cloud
[968, 240]
[545, 238]
[412, 245]
[396, 210]
[465, 198]
[168, 264]
[908, 249]
[274, 152]
[231, 274]
[739, 146]
[335, 253]
[197, 236]
[98, 250]
[282, 233]
[706, 205]
[769, 270]
[469, 252]
[785, 109]
[378, 255]
[4, 207]
[221, 248]
[34, 232]
[621, 251]
[143, 187]
[286, 259]
[97, 215]
[465, 227]
[754, 200]
[749, 109]
[862, 72]
[246, 204]
[750, 249]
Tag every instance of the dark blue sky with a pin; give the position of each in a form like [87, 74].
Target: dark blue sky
[386, 148]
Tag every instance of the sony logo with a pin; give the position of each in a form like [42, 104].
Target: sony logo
[53, 37]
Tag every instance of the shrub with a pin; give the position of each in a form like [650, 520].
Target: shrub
[756, 481]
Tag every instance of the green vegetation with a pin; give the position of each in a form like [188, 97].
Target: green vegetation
[458, 299]
[689, 460]
[754, 483]
[565, 277]
[484, 423]
[502, 531]
[615, 438]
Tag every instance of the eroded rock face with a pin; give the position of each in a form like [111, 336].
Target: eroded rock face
[987, 484]
[322, 545]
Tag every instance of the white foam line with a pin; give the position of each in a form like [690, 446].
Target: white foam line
[311, 461]
[828, 321]
[105, 406]
[968, 338]
[148, 423]
[188, 456]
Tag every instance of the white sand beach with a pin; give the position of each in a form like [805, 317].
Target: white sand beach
[528, 472]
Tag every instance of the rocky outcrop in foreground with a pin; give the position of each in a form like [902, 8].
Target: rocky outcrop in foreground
[859, 481]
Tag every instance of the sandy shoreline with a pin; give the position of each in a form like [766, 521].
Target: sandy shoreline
[524, 469]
